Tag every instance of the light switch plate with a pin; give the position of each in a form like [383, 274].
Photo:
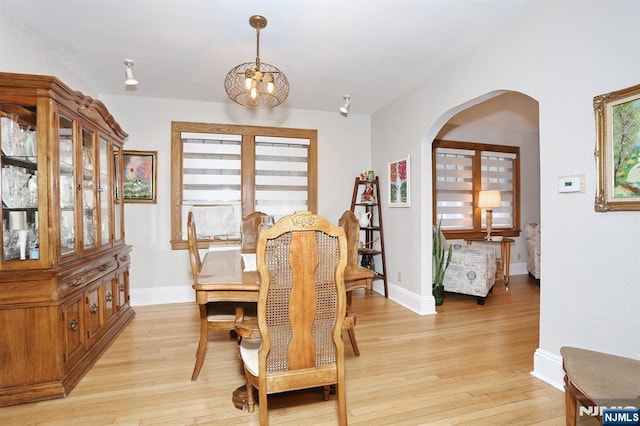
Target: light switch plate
[573, 183]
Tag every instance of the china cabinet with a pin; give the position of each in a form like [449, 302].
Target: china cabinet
[64, 263]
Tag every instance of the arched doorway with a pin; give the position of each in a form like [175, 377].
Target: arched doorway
[504, 118]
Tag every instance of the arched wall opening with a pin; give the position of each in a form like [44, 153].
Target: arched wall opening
[501, 117]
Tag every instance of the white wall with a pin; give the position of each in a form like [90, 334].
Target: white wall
[22, 53]
[161, 275]
[562, 55]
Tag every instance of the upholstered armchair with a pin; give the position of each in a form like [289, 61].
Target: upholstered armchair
[472, 270]
[532, 233]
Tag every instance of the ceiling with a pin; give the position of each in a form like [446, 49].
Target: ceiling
[372, 50]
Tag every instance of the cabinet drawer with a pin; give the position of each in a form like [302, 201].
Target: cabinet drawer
[123, 259]
[83, 276]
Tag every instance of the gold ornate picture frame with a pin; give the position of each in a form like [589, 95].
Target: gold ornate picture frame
[139, 176]
[617, 150]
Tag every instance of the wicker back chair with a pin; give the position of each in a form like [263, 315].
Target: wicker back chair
[249, 231]
[351, 226]
[349, 222]
[220, 316]
[192, 244]
[301, 308]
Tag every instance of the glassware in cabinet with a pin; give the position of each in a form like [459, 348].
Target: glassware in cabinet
[104, 192]
[88, 189]
[117, 192]
[19, 182]
[67, 185]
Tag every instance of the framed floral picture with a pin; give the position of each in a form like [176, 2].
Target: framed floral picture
[139, 176]
[618, 150]
[399, 183]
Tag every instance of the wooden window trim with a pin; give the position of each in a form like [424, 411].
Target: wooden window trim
[477, 232]
[249, 134]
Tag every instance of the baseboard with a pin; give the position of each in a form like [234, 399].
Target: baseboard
[548, 368]
[161, 295]
[519, 268]
[420, 305]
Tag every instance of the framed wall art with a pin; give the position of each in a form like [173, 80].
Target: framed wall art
[618, 150]
[139, 176]
[399, 183]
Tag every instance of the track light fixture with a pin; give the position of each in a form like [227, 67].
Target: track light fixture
[344, 109]
[257, 84]
[128, 72]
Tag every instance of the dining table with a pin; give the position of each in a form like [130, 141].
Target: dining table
[229, 275]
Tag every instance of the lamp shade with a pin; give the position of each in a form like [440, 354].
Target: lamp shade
[489, 199]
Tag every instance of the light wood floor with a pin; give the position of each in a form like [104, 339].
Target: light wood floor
[468, 365]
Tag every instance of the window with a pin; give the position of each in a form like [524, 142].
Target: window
[224, 172]
[460, 171]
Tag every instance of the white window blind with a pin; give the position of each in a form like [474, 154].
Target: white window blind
[281, 170]
[454, 188]
[247, 168]
[497, 173]
[456, 181]
[211, 175]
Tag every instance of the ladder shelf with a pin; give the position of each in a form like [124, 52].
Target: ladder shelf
[366, 199]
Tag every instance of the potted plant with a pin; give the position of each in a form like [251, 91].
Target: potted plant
[440, 263]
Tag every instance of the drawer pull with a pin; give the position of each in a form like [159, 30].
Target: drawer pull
[109, 297]
[103, 267]
[123, 258]
[94, 309]
[74, 325]
[75, 283]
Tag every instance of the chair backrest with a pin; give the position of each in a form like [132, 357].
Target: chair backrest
[249, 231]
[301, 304]
[192, 244]
[349, 222]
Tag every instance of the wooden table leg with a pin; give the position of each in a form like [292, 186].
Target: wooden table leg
[505, 248]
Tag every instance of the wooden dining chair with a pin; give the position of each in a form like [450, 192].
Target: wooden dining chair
[249, 231]
[349, 222]
[220, 316]
[301, 307]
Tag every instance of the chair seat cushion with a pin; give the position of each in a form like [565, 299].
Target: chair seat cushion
[249, 349]
[603, 378]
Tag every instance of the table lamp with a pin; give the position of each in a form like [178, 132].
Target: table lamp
[489, 200]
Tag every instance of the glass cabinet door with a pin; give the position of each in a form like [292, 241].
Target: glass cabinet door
[67, 185]
[89, 216]
[117, 194]
[104, 192]
[19, 176]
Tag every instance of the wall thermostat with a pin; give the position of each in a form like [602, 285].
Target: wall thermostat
[573, 183]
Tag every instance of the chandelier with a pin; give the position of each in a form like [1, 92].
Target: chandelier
[257, 84]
